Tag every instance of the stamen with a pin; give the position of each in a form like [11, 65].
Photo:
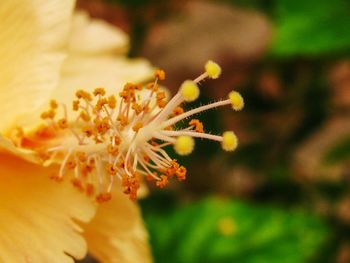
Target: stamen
[124, 135]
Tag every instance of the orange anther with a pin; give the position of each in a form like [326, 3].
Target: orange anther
[178, 110]
[198, 126]
[50, 114]
[137, 126]
[129, 86]
[181, 173]
[78, 184]
[53, 104]
[71, 164]
[161, 103]
[99, 91]
[84, 116]
[113, 150]
[88, 131]
[56, 178]
[112, 102]
[111, 169]
[103, 197]
[82, 94]
[117, 140]
[162, 182]
[160, 95]
[152, 86]
[76, 104]
[137, 108]
[89, 189]
[81, 156]
[160, 74]
[123, 120]
[100, 103]
[62, 123]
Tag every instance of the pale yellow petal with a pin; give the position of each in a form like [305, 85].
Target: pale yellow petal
[117, 234]
[31, 35]
[38, 216]
[100, 71]
[94, 36]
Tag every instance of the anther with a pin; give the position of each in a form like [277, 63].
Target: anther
[189, 90]
[212, 69]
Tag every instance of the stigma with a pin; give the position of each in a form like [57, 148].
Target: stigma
[124, 136]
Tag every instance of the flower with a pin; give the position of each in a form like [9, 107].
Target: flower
[42, 221]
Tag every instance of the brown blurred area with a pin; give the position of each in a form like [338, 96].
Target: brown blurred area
[288, 127]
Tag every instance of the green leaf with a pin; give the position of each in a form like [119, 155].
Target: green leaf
[218, 231]
[311, 27]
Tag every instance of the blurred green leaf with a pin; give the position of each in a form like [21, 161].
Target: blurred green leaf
[312, 27]
[339, 152]
[219, 231]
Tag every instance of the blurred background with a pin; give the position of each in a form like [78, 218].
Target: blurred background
[284, 195]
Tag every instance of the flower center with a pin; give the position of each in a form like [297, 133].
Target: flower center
[124, 135]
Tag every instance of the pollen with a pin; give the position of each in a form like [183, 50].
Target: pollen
[237, 101]
[229, 141]
[212, 69]
[184, 145]
[123, 135]
[189, 90]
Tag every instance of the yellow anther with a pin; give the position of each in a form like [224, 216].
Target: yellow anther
[236, 99]
[212, 69]
[229, 141]
[160, 74]
[184, 145]
[99, 91]
[189, 90]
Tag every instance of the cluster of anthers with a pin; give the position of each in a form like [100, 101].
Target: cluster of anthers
[124, 135]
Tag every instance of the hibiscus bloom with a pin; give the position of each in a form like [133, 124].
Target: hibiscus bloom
[42, 221]
[105, 134]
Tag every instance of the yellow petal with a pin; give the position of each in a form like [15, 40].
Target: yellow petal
[94, 36]
[100, 71]
[31, 34]
[37, 215]
[7, 147]
[117, 234]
